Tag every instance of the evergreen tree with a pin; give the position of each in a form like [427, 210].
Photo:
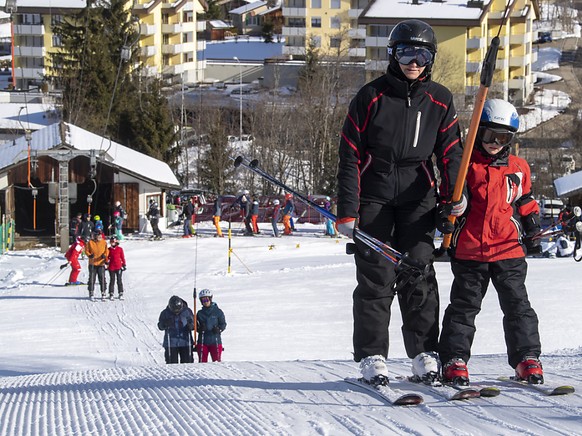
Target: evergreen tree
[97, 71]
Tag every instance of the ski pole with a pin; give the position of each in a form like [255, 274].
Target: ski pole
[53, 278]
[485, 82]
[380, 247]
[556, 226]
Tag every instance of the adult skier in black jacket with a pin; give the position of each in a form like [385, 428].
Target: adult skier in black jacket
[387, 188]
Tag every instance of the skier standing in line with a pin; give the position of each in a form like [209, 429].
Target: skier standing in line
[177, 320]
[216, 214]
[246, 211]
[489, 244]
[97, 251]
[275, 217]
[329, 225]
[153, 214]
[75, 227]
[211, 323]
[116, 265]
[396, 124]
[86, 227]
[72, 256]
[255, 216]
[187, 213]
[288, 209]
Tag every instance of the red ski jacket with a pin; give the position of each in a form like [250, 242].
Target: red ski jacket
[75, 250]
[116, 258]
[499, 198]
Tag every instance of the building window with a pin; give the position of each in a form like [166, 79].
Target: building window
[335, 42]
[296, 22]
[316, 4]
[334, 22]
[165, 19]
[165, 39]
[335, 4]
[381, 31]
[315, 22]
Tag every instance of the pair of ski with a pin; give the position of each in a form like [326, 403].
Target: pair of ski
[398, 397]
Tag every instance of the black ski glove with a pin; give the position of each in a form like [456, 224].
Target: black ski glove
[123, 268]
[103, 256]
[442, 220]
[64, 265]
[216, 329]
[533, 246]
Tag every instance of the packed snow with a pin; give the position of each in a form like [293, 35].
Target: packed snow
[69, 366]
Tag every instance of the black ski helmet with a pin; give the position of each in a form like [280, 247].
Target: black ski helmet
[412, 32]
[175, 304]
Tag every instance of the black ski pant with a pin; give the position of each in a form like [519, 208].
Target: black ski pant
[520, 322]
[183, 354]
[113, 277]
[156, 228]
[97, 272]
[409, 228]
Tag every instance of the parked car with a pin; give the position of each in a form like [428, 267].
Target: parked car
[544, 37]
[550, 208]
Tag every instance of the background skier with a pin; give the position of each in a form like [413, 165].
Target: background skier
[153, 214]
[115, 265]
[97, 251]
[177, 320]
[211, 323]
[72, 256]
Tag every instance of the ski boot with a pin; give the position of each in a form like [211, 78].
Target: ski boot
[530, 370]
[455, 372]
[111, 297]
[426, 368]
[374, 370]
[121, 297]
[91, 296]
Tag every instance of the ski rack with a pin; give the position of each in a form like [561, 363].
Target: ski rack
[401, 261]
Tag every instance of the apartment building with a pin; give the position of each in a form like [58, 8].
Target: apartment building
[464, 31]
[167, 37]
[328, 25]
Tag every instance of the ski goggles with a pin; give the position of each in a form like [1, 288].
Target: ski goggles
[204, 299]
[406, 54]
[490, 135]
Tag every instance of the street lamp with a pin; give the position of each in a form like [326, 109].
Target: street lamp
[239, 101]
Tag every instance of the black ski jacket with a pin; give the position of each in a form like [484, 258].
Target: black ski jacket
[390, 133]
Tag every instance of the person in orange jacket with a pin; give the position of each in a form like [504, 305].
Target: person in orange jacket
[97, 252]
[287, 213]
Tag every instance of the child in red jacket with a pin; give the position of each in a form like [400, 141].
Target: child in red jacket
[490, 241]
[116, 266]
[72, 256]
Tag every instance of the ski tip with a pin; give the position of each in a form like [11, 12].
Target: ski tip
[409, 400]
[489, 392]
[238, 161]
[466, 394]
[254, 163]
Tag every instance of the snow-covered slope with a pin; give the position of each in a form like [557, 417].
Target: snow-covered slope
[69, 366]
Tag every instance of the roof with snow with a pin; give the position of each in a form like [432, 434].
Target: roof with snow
[130, 161]
[247, 8]
[450, 10]
[32, 116]
[219, 24]
[569, 185]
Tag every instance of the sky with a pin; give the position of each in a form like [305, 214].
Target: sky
[69, 366]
